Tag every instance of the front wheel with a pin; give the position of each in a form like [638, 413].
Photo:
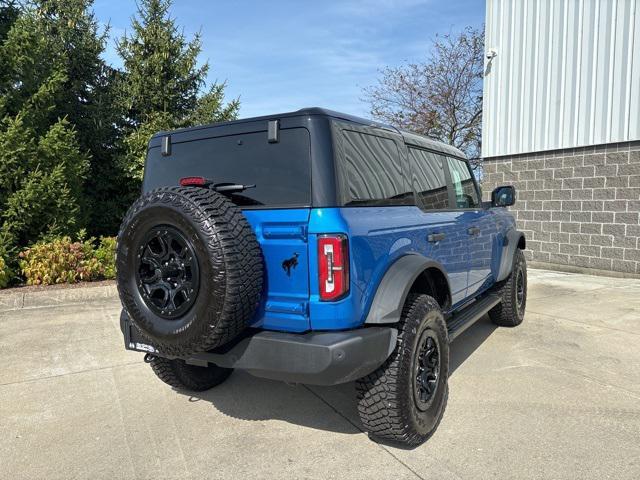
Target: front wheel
[404, 400]
[513, 292]
[183, 376]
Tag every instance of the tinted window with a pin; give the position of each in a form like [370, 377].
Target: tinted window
[463, 185]
[280, 171]
[373, 172]
[428, 179]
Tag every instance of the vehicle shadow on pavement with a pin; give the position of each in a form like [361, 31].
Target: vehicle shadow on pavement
[468, 342]
[249, 398]
[334, 409]
[461, 349]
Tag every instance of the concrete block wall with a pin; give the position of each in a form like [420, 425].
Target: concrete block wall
[578, 207]
[437, 199]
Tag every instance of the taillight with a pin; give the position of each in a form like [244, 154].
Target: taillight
[193, 181]
[333, 265]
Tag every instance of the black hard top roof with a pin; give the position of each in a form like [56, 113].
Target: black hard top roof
[409, 137]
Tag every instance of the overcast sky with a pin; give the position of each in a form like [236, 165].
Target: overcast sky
[282, 55]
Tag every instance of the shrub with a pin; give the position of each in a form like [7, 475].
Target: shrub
[60, 261]
[5, 273]
[106, 255]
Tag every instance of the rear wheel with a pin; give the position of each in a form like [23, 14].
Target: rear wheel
[183, 376]
[404, 400]
[513, 291]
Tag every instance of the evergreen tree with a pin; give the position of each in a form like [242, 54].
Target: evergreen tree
[210, 107]
[163, 85]
[64, 36]
[73, 131]
[89, 103]
[9, 12]
[42, 163]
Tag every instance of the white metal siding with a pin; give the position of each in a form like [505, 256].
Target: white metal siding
[566, 74]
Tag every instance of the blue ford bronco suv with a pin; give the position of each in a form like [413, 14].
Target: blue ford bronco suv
[320, 248]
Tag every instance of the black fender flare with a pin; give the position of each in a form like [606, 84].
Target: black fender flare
[509, 246]
[394, 287]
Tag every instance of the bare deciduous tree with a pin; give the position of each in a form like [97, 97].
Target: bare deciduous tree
[441, 97]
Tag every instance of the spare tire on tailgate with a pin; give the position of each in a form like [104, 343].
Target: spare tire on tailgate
[190, 269]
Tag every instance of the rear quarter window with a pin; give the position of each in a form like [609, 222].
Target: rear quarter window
[281, 171]
[372, 172]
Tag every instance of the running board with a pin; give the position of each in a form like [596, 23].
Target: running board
[466, 317]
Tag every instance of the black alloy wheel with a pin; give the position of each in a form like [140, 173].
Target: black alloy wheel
[520, 289]
[168, 276]
[404, 400]
[427, 369]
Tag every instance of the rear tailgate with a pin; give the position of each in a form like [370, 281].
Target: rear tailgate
[283, 237]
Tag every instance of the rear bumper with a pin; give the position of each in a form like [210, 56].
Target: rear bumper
[315, 358]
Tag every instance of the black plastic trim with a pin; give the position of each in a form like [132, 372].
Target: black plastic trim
[315, 358]
[394, 287]
[509, 247]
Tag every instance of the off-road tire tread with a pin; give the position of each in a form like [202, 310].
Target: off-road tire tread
[505, 314]
[227, 229]
[382, 399]
[177, 374]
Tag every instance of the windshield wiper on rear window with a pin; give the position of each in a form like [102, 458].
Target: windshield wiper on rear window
[230, 187]
[223, 187]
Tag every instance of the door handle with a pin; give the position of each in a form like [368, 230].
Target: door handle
[473, 230]
[436, 237]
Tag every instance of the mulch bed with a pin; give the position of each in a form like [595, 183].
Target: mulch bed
[59, 286]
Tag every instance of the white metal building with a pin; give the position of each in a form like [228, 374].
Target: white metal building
[566, 73]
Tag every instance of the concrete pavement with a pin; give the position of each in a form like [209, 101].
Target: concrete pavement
[558, 397]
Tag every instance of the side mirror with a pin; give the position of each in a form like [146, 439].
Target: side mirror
[504, 196]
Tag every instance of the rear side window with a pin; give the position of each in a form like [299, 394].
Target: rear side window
[428, 179]
[373, 171]
[280, 171]
[464, 187]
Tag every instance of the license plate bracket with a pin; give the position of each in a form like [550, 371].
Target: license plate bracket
[133, 340]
